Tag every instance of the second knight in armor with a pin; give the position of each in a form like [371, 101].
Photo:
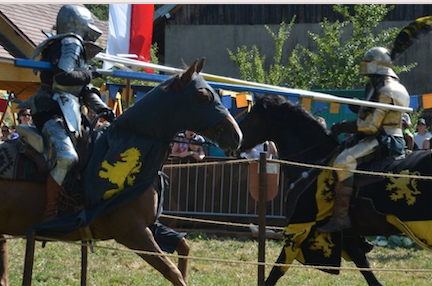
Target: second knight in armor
[381, 129]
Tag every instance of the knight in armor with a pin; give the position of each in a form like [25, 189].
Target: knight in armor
[380, 130]
[56, 106]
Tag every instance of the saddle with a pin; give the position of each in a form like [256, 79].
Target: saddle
[24, 158]
[381, 165]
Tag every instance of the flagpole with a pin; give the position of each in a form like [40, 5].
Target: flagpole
[221, 79]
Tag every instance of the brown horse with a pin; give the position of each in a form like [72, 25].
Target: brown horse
[377, 209]
[185, 101]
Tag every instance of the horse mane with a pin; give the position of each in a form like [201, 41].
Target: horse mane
[285, 112]
[170, 81]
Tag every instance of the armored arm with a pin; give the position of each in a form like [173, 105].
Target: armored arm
[343, 127]
[71, 69]
[372, 122]
[91, 98]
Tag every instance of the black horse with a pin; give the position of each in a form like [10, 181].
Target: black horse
[382, 206]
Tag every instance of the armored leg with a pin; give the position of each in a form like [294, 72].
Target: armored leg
[62, 157]
[344, 187]
[340, 219]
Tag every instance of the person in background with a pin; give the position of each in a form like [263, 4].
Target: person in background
[6, 133]
[180, 145]
[182, 148]
[254, 153]
[408, 136]
[25, 117]
[169, 241]
[421, 133]
[167, 238]
[196, 149]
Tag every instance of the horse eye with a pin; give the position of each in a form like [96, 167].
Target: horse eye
[204, 96]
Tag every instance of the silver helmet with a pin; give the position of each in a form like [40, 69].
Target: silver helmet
[377, 60]
[77, 19]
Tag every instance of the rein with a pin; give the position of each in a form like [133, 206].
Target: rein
[209, 143]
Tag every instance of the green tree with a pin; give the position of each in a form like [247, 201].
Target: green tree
[251, 63]
[333, 62]
[101, 11]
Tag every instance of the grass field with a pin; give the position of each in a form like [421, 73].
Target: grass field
[59, 264]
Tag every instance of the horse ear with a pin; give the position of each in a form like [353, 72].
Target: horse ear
[187, 75]
[200, 65]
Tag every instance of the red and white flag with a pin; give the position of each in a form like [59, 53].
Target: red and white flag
[130, 30]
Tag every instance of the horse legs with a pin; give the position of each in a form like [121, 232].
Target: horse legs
[142, 239]
[277, 272]
[183, 250]
[3, 261]
[353, 246]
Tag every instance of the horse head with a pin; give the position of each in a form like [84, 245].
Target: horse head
[296, 133]
[185, 101]
[256, 125]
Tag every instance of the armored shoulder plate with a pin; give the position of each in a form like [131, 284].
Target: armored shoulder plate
[48, 41]
[396, 91]
[72, 55]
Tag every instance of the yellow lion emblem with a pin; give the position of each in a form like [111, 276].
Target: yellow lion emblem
[323, 242]
[121, 171]
[404, 188]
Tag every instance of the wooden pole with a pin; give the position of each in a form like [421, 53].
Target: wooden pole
[29, 259]
[128, 92]
[262, 216]
[84, 256]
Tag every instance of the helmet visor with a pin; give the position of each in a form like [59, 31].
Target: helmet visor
[93, 33]
[367, 68]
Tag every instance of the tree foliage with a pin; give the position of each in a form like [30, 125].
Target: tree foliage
[101, 11]
[333, 62]
[251, 63]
